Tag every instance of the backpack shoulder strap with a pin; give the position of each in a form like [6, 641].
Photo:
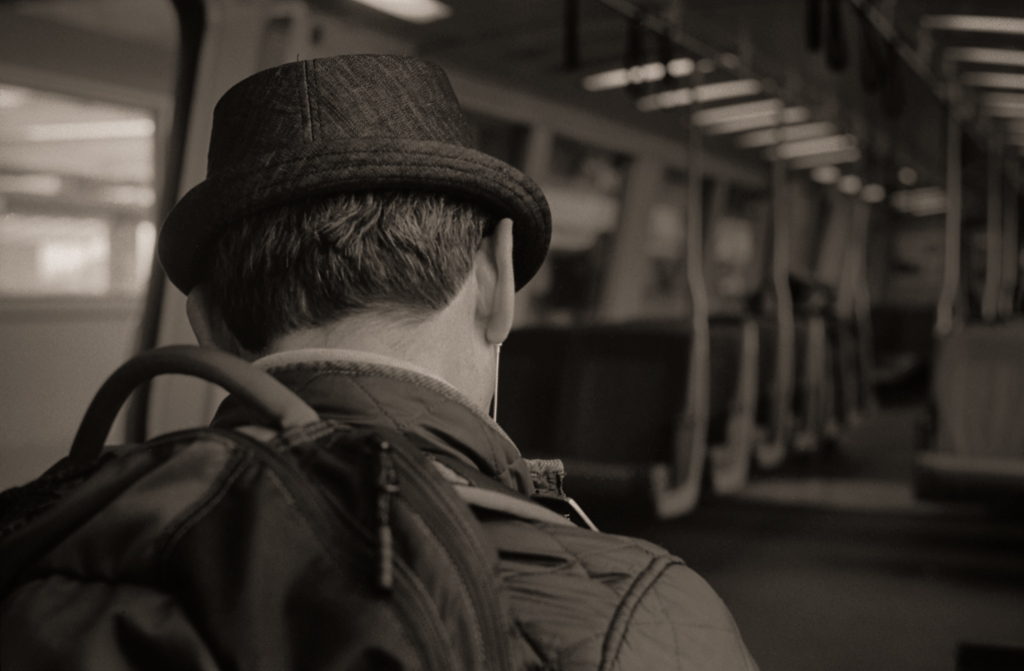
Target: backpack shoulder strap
[484, 493]
[256, 387]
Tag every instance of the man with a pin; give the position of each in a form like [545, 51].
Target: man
[349, 240]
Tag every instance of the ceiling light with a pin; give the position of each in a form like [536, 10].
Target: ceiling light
[413, 11]
[638, 74]
[849, 185]
[707, 93]
[665, 100]
[976, 24]
[607, 80]
[681, 67]
[906, 176]
[928, 201]
[872, 193]
[12, 96]
[745, 124]
[730, 61]
[623, 77]
[1003, 99]
[789, 115]
[826, 174]
[1011, 57]
[796, 115]
[1003, 104]
[994, 80]
[725, 113]
[770, 136]
[807, 131]
[704, 93]
[90, 130]
[851, 155]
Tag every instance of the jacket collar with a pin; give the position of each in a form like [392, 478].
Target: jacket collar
[366, 390]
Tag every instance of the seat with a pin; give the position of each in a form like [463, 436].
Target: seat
[608, 400]
[733, 386]
[530, 384]
[726, 354]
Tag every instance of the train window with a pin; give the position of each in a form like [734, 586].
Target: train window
[734, 247]
[666, 293]
[732, 250]
[915, 263]
[76, 195]
[584, 188]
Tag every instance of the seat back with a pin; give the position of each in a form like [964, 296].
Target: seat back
[767, 354]
[613, 394]
[726, 355]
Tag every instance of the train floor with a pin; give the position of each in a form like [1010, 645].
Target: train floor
[830, 563]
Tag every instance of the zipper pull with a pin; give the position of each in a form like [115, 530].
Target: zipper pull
[387, 485]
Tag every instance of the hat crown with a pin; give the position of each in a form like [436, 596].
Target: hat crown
[331, 100]
[346, 124]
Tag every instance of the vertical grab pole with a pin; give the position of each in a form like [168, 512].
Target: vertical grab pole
[785, 359]
[1011, 239]
[951, 267]
[994, 231]
[676, 491]
[846, 313]
[697, 401]
[862, 304]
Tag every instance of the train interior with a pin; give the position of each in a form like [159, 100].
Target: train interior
[780, 329]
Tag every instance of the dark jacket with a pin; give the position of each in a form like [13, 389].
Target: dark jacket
[181, 553]
[581, 599]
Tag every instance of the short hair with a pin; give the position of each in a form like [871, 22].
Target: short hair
[313, 261]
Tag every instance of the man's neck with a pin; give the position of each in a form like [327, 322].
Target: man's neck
[428, 344]
[332, 354]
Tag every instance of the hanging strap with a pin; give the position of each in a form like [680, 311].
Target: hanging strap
[252, 385]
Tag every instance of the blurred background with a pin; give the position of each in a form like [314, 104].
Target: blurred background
[781, 327]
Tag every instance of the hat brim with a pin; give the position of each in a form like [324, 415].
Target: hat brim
[358, 164]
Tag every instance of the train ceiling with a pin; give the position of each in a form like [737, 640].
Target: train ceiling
[854, 79]
[865, 87]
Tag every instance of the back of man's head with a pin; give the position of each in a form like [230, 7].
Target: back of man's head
[348, 186]
[318, 260]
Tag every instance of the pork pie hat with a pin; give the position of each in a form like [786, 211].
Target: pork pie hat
[335, 125]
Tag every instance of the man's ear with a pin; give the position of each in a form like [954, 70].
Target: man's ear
[208, 324]
[498, 283]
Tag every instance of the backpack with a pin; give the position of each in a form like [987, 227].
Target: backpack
[314, 546]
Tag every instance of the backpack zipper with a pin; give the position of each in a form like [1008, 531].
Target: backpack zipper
[324, 516]
[387, 486]
[445, 520]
